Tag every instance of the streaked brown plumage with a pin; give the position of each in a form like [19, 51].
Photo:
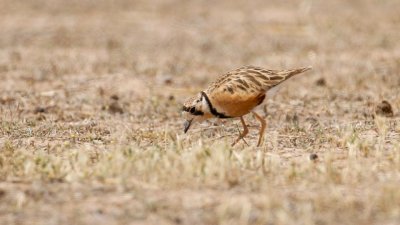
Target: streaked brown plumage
[236, 94]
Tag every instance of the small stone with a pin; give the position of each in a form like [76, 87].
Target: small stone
[320, 82]
[384, 109]
[313, 156]
[39, 109]
[115, 108]
[114, 97]
[165, 79]
[168, 80]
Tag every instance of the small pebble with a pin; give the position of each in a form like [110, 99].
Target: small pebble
[39, 109]
[320, 82]
[115, 108]
[114, 97]
[313, 156]
[384, 109]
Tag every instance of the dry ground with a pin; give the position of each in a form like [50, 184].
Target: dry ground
[90, 130]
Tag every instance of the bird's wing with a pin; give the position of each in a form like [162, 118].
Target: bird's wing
[249, 78]
[239, 91]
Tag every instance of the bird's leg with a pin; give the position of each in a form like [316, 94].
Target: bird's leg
[243, 134]
[262, 128]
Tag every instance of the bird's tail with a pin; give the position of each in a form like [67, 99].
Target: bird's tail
[290, 73]
[282, 76]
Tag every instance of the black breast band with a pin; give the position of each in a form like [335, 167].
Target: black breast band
[212, 109]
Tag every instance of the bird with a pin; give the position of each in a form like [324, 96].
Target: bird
[235, 94]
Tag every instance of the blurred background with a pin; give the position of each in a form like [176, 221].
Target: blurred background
[90, 129]
[77, 47]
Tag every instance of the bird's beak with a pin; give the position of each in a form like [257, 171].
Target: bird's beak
[187, 125]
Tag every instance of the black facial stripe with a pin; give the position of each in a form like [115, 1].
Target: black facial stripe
[212, 109]
[192, 110]
[197, 113]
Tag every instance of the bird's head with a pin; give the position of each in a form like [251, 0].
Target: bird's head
[195, 109]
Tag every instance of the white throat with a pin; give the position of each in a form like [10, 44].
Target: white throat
[205, 106]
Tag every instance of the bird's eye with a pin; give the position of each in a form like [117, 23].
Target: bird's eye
[192, 110]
